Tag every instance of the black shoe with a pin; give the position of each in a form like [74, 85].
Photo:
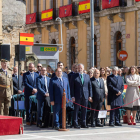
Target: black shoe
[43, 126]
[77, 126]
[93, 125]
[99, 125]
[118, 124]
[84, 126]
[57, 128]
[111, 124]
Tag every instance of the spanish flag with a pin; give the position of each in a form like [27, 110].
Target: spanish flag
[47, 15]
[26, 39]
[84, 7]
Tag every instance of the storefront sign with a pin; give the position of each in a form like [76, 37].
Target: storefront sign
[27, 49]
[48, 49]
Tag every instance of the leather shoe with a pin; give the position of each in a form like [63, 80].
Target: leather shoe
[57, 128]
[99, 125]
[34, 123]
[118, 124]
[93, 125]
[77, 126]
[84, 126]
[111, 124]
[43, 126]
[28, 123]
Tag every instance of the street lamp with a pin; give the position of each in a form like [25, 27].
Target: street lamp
[59, 19]
[92, 29]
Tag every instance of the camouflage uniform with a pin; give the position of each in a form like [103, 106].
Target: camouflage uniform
[6, 91]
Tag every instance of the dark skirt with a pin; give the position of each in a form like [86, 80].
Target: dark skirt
[134, 108]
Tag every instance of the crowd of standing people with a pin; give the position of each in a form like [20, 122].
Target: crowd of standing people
[81, 87]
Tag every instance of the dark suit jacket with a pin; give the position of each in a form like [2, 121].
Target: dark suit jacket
[77, 89]
[114, 86]
[70, 75]
[56, 89]
[41, 87]
[15, 84]
[98, 91]
[29, 83]
[63, 73]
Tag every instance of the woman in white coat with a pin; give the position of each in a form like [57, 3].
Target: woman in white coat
[132, 93]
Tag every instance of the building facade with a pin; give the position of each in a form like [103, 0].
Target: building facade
[115, 29]
[13, 22]
[0, 22]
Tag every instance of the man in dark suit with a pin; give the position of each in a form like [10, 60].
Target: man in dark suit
[81, 92]
[72, 72]
[98, 92]
[57, 85]
[115, 89]
[43, 99]
[39, 66]
[16, 89]
[29, 79]
[15, 76]
[61, 66]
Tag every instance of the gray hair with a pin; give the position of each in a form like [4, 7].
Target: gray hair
[80, 64]
[115, 68]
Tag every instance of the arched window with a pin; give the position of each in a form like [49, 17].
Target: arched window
[28, 6]
[53, 41]
[72, 51]
[118, 48]
[70, 1]
[95, 51]
[53, 4]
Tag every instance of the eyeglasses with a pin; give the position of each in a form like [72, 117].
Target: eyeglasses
[38, 66]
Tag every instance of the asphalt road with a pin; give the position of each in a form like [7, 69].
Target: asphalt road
[124, 132]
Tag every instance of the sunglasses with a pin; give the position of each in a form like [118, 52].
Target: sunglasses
[38, 66]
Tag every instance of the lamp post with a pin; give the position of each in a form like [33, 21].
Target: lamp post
[59, 19]
[92, 30]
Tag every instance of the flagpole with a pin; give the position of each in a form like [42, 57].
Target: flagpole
[92, 30]
[18, 78]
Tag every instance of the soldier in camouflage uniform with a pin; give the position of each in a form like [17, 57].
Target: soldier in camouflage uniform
[6, 88]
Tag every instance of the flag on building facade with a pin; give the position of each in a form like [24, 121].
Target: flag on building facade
[137, 0]
[110, 3]
[47, 15]
[65, 11]
[31, 18]
[26, 39]
[84, 7]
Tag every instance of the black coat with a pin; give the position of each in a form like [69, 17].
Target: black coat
[77, 89]
[98, 91]
[70, 75]
[15, 84]
[114, 86]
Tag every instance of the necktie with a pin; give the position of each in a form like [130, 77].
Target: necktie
[32, 74]
[82, 78]
[46, 84]
[16, 77]
[61, 82]
[98, 83]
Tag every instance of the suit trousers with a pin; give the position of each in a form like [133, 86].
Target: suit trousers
[27, 107]
[94, 114]
[114, 113]
[57, 114]
[46, 112]
[82, 101]
[40, 105]
[5, 103]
